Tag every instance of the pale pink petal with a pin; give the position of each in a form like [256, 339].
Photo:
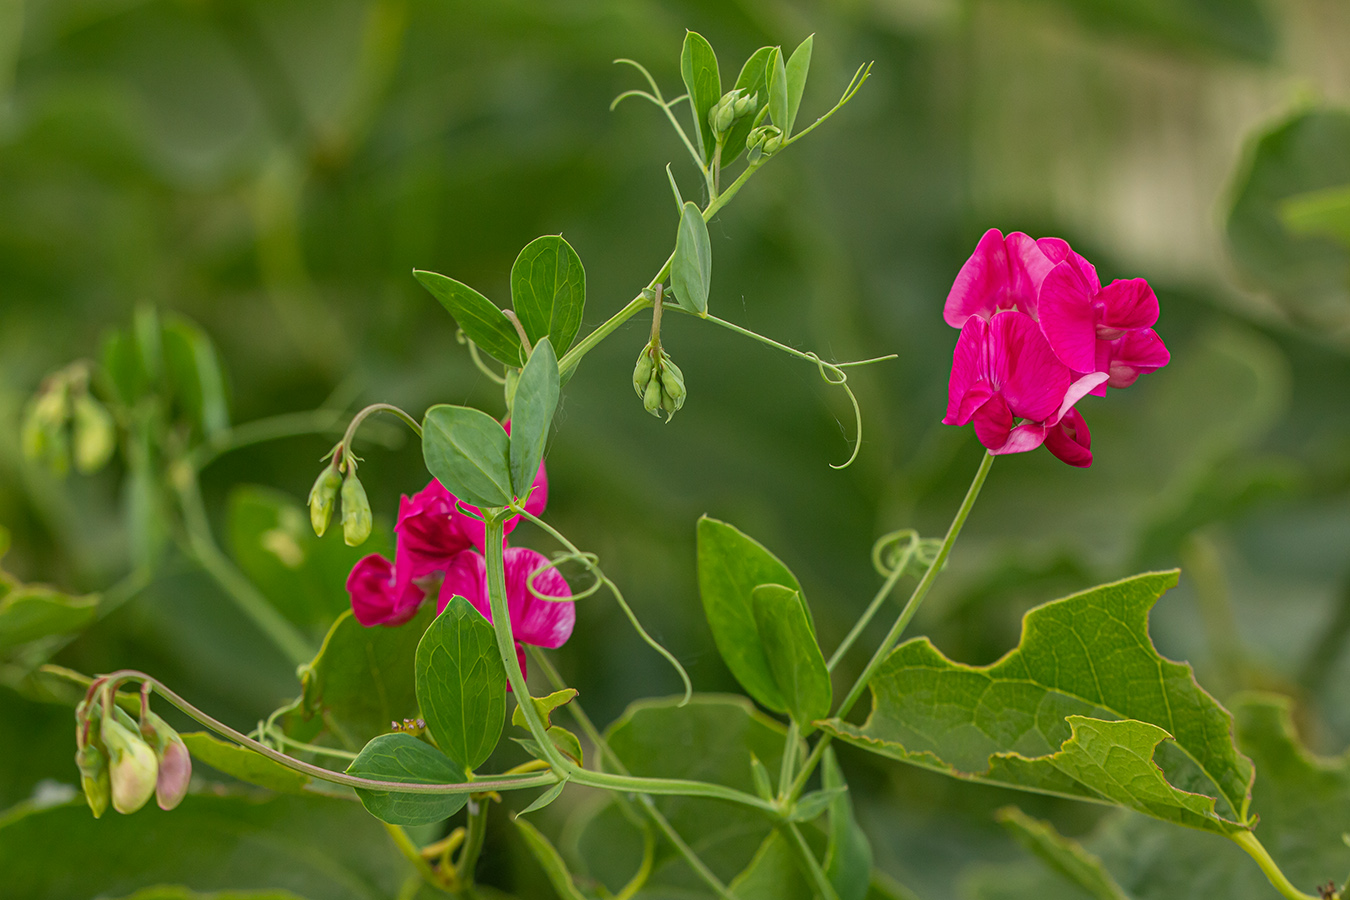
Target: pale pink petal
[1022, 439]
[1079, 389]
[967, 371]
[993, 423]
[1070, 441]
[534, 620]
[378, 598]
[1126, 304]
[1135, 354]
[982, 281]
[1068, 319]
[1024, 370]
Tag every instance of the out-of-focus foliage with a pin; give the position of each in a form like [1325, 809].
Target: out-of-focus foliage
[274, 171]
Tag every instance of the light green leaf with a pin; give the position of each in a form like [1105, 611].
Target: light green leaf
[407, 760]
[481, 320]
[814, 804]
[691, 269]
[789, 643]
[193, 372]
[1065, 856]
[798, 66]
[29, 612]
[778, 90]
[763, 783]
[548, 291]
[362, 679]
[1324, 212]
[567, 743]
[544, 799]
[532, 411]
[468, 451]
[753, 81]
[730, 566]
[461, 684]
[242, 763]
[545, 705]
[550, 860]
[848, 855]
[773, 874]
[1078, 709]
[698, 68]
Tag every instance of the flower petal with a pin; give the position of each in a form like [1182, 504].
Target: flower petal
[982, 281]
[534, 620]
[466, 576]
[993, 423]
[1068, 318]
[1027, 267]
[1126, 304]
[1070, 440]
[1135, 354]
[1080, 388]
[378, 598]
[968, 372]
[1023, 368]
[429, 531]
[1022, 439]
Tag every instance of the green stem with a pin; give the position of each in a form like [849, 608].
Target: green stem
[202, 547]
[319, 421]
[885, 591]
[1249, 842]
[410, 852]
[370, 411]
[911, 607]
[808, 861]
[789, 757]
[473, 840]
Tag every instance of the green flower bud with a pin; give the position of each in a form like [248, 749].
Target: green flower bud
[44, 436]
[356, 521]
[323, 496]
[651, 397]
[132, 766]
[95, 434]
[762, 142]
[175, 763]
[723, 113]
[672, 387]
[746, 105]
[642, 372]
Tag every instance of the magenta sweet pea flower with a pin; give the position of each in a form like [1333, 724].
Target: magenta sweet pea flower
[534, 620]
[379, 595]
[1003, 371]
[1002, 274]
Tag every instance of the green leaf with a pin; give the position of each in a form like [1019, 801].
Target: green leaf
[698, 68]
[479, 318]
[567, 743]
[789, 643]
[122, 365]
[1062, 855]
[468, 451]
[308, 846]
[29, 612]
[407, 760]
[242, 763]
[1078, 709]
[544, 799]
[814, 804]
[362, 678]
[753, 81]
[763, 783]
[193, 372]
[550, 860]
[798, 66]
[545, 705]
[548, 291]
[730, 566]
[778, 90]
[691, 270]
[773, 874]
[1325, 213]
[304, 576]
[532, 412]
[848, 855]
[461, 684]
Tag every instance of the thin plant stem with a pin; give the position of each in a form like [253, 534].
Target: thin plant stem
[882, 593]
[1257, 851]
[809, 862]
[409, 850]
[785, 772]
[370, 411]
[473, 840]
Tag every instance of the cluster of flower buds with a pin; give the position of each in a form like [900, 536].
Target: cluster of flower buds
[409, 726]
[763, 142]
[64, 417]
[356, 520]
[123, 762]
[658, 381]
[735, 104]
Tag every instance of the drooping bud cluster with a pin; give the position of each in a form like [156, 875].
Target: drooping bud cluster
[123, 762]
[735, 104]
[763, 142]
[658, 381]
[356, 518]
[64, 417]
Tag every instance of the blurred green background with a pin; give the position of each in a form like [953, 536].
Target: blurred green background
[274, 171]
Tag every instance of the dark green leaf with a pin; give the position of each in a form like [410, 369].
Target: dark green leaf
[1078, 709]
[405, 759]
[468, 451]
[773, 874]
[753, 81]
[29, 612]
[691, 270]
[532, 415]
[242, 763]
[730, 566]
[363, 678]
[778, 90]
[193, 373]
[1061, 854]
[798, 66]
[548, 291]
[479, 318]
[848, 855]
[310, 846]
[461, 684]
[795, 660]
[698, 67]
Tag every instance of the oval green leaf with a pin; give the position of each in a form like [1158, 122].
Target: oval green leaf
[795, 660]
[698, 68]
[548, 291]
[691, 269]
[532, 414]
[469, 453]
[778, 90]
[485, 324]
[461, 685]
[798, 66]
[405, 759]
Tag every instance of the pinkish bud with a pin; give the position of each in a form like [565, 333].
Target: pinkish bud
[132, 767]
[175, 763]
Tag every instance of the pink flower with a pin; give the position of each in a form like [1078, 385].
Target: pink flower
[534, 620]
[1003, 370]
[1101, 329]
[379, 597]
[1002, 274]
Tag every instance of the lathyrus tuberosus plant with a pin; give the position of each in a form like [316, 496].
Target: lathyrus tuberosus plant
[1084, 707]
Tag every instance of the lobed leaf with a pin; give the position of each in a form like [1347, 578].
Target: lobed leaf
[691, 269]
[479, 318]
[405, 759]
[468, 451]
[548, 291]
[461, 684]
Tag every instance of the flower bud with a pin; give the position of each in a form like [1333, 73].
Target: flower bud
[672, 386]
[323, 496]
[133, 768]
[642, 372]
[175, 763]
[95, 434]
[658, 381]
[746, 105]
[651, 397]
[356, 523]
[723, 113]
[44, 436]
[763, 142]
[94, 778]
